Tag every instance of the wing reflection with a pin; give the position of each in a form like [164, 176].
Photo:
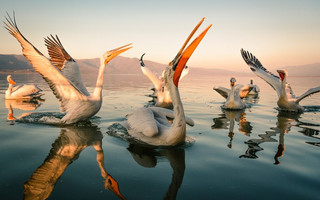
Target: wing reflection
[26, 105]
[65, 150]
[148, 157]
[284, 123]
[228, 118]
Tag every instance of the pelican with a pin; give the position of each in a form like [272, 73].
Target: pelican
[255, 89]
[150, 125]
[234, 95]
[25, 91]
[75, 101]
[161, 93]
[287, 101]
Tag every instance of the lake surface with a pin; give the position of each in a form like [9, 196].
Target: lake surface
[260, 153]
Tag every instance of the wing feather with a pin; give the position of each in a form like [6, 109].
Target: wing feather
[308, 93]
[61, 87]
[165, 113]
[65, 63]
[259, 70]
[25, 90]
[143, 121]
[222, 91]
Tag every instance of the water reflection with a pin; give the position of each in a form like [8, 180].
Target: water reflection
[148, 157]
[65, 150]
[285, 120]
[228, 118]
[26, 105]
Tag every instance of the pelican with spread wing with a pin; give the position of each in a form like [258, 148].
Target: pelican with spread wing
[287, 101]
[74, 99]
[151, 125]
[234, 95]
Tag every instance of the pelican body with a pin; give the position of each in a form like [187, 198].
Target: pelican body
[234, 95]
[150, 125]
[287, 101]
[25, 91]
[67, 86]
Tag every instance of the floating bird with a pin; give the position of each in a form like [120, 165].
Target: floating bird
[255, 89]
[161, 93]
[234, 95]
[74, 101]
[287, 101]
[150, 125]
[25, 91]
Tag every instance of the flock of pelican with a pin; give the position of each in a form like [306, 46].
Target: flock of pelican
[149, 125]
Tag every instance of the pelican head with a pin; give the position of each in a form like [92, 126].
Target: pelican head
[179, 62]
[10, 80]
[109, 55]
[232, 81]
[282, 73]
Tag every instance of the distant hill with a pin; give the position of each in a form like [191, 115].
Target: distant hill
[304, 70]
[125, 65]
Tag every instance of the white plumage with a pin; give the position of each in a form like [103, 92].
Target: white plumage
[25, 91]
[75, 101]
[287, 101]
[161, 93]
[151, 125]
[234, 95]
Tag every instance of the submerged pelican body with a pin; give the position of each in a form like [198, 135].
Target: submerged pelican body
[25, 91]
[150, 125]
[287, 101]
[233, 95]
[161, 93]
[67, 86]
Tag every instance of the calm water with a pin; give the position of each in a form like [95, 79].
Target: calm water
[259, 153]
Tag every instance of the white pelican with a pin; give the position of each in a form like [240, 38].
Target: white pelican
[161, 93]
[150, 125]
[25, 91]
[234, 95]
[74, 101]
[255, 89]
[287, 101]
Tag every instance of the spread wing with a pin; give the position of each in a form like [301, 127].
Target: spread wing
[243, 90]
[65, 63]
[61, 87]
[222, 91]
[308, 93]
[259, 70]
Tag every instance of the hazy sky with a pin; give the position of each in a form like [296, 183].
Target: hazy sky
[279, 33]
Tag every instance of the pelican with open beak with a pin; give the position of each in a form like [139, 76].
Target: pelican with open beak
[150, 125]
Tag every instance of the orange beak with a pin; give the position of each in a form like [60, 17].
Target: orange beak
[182, 57]
[112, 184]
[281, 74]
[11, 82]
[109, 55]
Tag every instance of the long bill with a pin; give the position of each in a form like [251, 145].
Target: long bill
[183, 59]
[188, 39]
[114, 52]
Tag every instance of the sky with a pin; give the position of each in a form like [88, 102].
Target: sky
[279, 33]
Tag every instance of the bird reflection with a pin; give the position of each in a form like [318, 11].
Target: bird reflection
[284, 123]
[26, 105]
[228, 118]
[65, 150]
[148, 157]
